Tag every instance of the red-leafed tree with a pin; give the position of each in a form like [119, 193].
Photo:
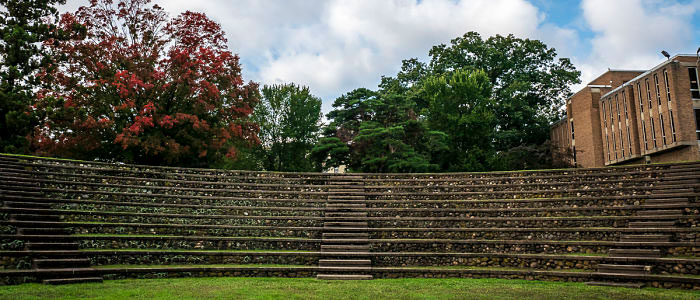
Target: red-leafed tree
[138, 86]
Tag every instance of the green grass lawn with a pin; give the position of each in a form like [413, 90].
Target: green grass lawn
[309, 288]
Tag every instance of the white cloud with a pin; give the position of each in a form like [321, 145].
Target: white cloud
[630, 34]
[353, 43]
[334, 46]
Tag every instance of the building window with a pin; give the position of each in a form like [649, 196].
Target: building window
[663, 128]
[668, 88]
[607, 142]
[653, 131]
[612, 134]
[673, 125]
[605, 117]
[644, 134]
[658, 92]
[629, 139]
[612, 119]
[617, 106]
[627, 121]
[694, 91]
[646, 82]
[697, 123]
[641, 102]
[624, 105]
[572, 130]
[622, 143]
[574, 150]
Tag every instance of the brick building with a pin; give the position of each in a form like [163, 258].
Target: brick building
[627, 117]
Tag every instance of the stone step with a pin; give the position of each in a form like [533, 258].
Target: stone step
[34, 217]
[344, 262]
[652, 224]
[345, 269]
[346, 197]
[331, 206]
[344, 241]
[337, 229]
[15, 174]
[346, 214]
[671, 192]
[72, 280]
[344, 248]
[347, 235]
[681, 180]
[44, 231]
[665, 206]
[634, 253]
[346, 191]
[346, 201]
[687, 171]
[666, 201]
[345, 219]
[4, 165]
[345, 177]
[645, 238]
[635, 285]
[660, 212]
[13, 180]
[346, 224]
[51, 246]
[40, 205]
[343, 277]
[345, 183]
[346, 254]
[624, 269]
[54, 263]
[23, 193]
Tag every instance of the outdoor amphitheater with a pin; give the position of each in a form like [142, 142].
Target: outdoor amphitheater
[66, 221]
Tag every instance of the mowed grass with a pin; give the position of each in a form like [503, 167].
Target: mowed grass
[309, 288]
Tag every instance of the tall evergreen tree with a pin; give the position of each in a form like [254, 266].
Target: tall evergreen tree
[25, 25]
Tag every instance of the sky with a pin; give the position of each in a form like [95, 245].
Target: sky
[335, 46]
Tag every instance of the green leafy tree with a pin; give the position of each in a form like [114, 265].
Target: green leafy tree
[529, 82]
[289, 118]
[460, 106]
[24, 27]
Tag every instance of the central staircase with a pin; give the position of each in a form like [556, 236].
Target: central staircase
[345, 245]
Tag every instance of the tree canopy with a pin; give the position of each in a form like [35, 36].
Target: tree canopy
[477, 105]
[290, 118]
[139, 86]
[24, 27]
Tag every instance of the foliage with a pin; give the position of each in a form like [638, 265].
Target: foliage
[329, 152]
[459, 105]
[24, 27]
[289, 117]
[141, 87]
[478, 105]
[529, 83]
[381, 133]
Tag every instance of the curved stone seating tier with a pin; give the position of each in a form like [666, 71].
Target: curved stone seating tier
[72, 221]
